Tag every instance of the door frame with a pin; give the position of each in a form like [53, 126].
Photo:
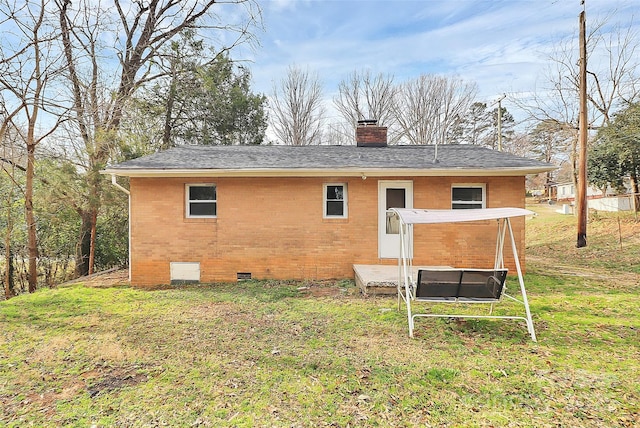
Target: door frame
[389, 245]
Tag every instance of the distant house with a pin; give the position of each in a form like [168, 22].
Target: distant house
[567, 192]
[597, 199]
[222, 213]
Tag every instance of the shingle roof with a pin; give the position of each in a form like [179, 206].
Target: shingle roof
[327, 158]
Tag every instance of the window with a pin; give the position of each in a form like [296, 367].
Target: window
[335, 201]
[202, 200]
[468, 196]
[396, 198]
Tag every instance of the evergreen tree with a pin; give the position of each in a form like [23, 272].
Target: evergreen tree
[480, 127]
[616, 152]
[201, 102]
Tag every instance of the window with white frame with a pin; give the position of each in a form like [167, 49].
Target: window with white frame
[335, 200]
[468, 196]
[202, 200]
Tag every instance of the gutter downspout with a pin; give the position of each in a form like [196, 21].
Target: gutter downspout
[119, 187]
[115, 183]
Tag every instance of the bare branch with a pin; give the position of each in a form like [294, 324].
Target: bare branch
[297, 109]
[429, 108]
[364, 96]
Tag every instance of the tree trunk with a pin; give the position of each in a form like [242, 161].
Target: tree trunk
[32, 241]
[636, 193]
[95, 195]
[9, 277]
[83, 249]
[168, 118]
[9, 290]
[92, 247]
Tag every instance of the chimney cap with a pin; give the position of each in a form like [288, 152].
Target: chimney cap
[367, 122]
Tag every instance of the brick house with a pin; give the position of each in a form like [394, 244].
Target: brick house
[222, 213]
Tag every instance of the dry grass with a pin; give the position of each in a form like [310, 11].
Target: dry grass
[268, 354]
[612, 254]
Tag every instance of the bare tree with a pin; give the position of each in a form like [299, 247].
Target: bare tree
[8, 278]
[110, 51]
[339, 133]
[429, 109]
[613, 81]
[520, 144]
[29, 66]
[12, 159]
[616, 83]
[365, 96]
[297, 109]
[548, 141]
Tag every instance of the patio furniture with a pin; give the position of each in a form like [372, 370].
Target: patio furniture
[451, 285]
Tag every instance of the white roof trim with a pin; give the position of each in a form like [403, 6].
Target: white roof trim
[421, 216]
[346, 172]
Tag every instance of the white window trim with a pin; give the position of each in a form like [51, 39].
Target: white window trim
[482, 186]
[345, 200]
[188, 201]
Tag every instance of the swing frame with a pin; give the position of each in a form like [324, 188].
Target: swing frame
[407, 285]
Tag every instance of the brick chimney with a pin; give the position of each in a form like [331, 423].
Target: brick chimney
[369, 134]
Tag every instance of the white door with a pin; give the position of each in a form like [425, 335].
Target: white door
[392, 194]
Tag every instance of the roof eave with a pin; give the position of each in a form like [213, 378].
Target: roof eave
[323, 172]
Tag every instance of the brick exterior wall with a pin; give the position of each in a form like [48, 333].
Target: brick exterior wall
[274, 228]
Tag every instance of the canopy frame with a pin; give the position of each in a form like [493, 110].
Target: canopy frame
[406, 285]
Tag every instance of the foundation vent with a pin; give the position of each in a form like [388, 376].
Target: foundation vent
[185, 272]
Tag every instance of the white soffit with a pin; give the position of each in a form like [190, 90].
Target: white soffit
[444, 172]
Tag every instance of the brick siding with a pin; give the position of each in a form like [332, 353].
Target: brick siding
[274, 228]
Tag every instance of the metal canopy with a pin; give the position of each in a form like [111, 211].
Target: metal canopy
[407, 285]
[421, 216]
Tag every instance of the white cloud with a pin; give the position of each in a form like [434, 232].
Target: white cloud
[501, 45]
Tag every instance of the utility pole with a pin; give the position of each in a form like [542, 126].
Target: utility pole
[582, 139]
[500, 120]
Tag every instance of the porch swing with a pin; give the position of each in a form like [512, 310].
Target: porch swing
[458, 285]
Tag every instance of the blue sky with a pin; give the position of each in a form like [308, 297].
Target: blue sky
[500, 44]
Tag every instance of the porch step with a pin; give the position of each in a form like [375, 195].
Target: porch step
[382, 280]
[376, 279]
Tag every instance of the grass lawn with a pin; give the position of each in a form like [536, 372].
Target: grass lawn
[268, 354]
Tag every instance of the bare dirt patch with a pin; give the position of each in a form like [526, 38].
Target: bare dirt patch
[93, 382]
[326, 289]
[113, 379]
[614, 279]
[105, 279]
